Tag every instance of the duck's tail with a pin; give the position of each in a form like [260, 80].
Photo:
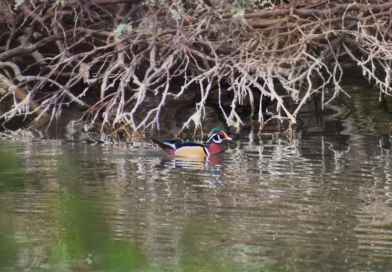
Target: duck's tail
[168, 148]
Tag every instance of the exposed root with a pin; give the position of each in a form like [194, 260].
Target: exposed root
[132, 51]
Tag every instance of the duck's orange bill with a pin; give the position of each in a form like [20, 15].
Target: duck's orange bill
[228, 138]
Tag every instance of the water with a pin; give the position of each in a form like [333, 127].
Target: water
[318, 202]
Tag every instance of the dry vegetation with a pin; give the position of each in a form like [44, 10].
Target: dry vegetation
[109, 55]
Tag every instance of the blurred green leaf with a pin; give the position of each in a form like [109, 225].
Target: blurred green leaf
[11, 171]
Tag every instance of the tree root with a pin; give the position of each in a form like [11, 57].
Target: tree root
[131, 50]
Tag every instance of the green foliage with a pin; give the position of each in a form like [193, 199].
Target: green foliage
[176, 10]
[18, 3]
[121, 29]
[250, 4]
[238, 7]
[61, 2]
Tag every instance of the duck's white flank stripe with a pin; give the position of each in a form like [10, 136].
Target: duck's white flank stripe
[206, 151]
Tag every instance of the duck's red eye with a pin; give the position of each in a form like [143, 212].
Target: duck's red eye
[221, 133]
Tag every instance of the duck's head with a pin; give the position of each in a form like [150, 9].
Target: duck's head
[218, 135]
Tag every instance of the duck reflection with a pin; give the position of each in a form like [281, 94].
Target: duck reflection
[196, 162]
[198, 171]
[212, 172]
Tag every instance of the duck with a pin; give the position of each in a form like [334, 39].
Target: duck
[193, 149]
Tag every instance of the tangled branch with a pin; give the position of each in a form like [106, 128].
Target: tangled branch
[130, 50]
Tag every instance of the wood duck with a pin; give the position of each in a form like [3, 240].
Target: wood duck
[192, 149]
